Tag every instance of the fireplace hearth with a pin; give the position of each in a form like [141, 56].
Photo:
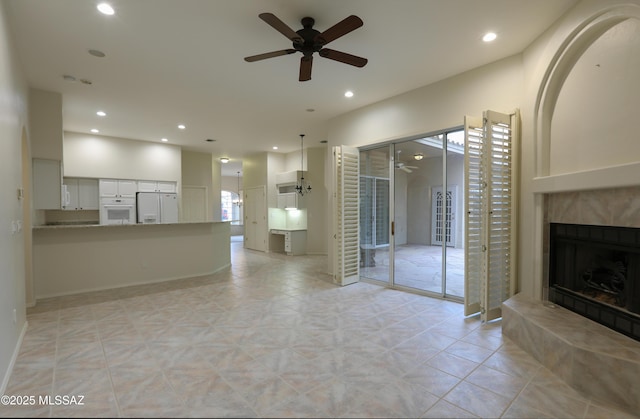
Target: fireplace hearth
[595, 271]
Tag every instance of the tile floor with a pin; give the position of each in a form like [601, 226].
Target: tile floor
[420, 267]
[273, 337]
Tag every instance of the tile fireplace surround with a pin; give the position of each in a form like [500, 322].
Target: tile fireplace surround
[590, 357]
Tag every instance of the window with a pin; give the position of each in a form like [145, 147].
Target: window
[231, 207]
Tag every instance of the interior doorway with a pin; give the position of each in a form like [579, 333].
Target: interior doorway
[255, 220]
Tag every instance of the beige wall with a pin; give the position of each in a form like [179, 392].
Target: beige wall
[441, 105]
[45, 124]
[594, 117]
[98, 156]
[216, 180]
[13, 123]
[317, 207]
[197, 171]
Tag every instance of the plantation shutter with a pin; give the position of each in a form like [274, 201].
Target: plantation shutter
[490, 151]
[474, 197]
[347, 216]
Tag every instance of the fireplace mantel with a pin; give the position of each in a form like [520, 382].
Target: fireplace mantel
[603, 178]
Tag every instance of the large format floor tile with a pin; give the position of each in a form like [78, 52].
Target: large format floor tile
[274, 337]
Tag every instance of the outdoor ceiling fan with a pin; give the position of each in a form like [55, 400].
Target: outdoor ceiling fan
[309, 41]
[403, 166]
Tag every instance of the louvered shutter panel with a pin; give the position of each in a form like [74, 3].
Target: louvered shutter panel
[346, 163]
[490, 151]
[499, 163]
[474, 197]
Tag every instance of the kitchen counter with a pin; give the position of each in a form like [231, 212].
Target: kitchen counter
[75, 258]
[95, 225]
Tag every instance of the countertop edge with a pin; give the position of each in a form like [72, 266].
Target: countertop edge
[75, 226]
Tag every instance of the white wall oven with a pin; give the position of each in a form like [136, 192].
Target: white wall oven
[117, 210]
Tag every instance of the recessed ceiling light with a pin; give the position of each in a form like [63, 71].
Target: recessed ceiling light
[95, 131]
[68, 78]
[209, 140]
[164, 140]
[275, 147]
[310, 110]
[106, 9]
[97, 53]
[348, 93]
[101, 113]
[489, 36]
[224, 159]
[181, 126]
[86, 81]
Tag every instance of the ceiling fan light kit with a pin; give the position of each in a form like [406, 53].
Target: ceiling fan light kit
[309, 41]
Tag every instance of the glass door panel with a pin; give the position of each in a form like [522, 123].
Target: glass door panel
[454, 251]
[419, 214]
[374, 214]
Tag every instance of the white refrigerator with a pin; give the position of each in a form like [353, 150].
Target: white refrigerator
[157, 207]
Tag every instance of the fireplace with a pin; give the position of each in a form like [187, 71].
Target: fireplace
[594, 271]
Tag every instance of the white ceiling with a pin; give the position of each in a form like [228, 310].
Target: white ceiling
[182, 61]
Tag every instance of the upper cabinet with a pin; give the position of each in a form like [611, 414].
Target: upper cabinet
[156, 186]
[47, 184]
[118, 188]
[80, 194]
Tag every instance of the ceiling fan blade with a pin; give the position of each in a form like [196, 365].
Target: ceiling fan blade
[305, 68]
[343, 57]
[269, 55]
[281, 27]
[406, 169]
[341, 28]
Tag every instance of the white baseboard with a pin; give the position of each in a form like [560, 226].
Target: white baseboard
[16, 351]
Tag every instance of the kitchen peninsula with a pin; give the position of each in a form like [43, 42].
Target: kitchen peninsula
[70, 259]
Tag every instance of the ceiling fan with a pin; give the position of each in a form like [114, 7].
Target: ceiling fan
[403, 166]
[308, 41]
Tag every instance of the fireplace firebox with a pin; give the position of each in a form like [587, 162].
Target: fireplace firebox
[595, 271]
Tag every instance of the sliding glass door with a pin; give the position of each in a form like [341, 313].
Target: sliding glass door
[410, 214]
[374, 214]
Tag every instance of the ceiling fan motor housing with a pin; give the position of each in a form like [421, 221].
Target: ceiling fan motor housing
[308, 35]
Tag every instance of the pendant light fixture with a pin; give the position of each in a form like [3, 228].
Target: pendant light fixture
[302, 187]
[239, 201]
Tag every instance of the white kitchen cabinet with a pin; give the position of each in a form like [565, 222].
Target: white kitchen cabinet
[80, 194]
[290, 200]
[118, 188]
[47, 184]
[156, 186]
[295, 241]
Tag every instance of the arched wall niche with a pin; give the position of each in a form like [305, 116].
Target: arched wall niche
[585, 112]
